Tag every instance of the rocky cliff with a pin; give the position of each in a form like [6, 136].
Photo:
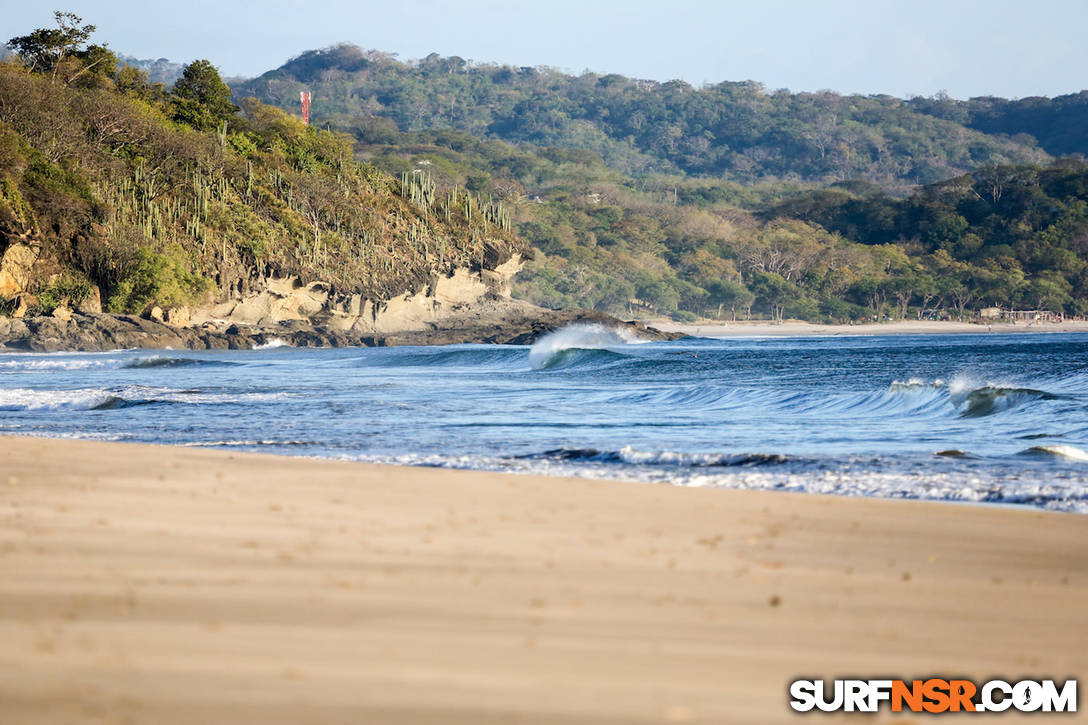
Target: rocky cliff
[287, 300]
[466, 306]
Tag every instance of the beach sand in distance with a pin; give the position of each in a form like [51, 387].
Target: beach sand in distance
[798, 328]
[144, 584]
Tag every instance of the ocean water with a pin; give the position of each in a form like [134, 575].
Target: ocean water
[980, 418]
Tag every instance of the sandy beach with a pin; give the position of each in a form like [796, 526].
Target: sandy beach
[798, 328]
[144, 584]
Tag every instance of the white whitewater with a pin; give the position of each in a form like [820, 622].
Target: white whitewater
[579, 336]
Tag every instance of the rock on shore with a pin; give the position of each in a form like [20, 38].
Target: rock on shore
[89, 332]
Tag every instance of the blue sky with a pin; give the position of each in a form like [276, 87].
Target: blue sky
[910, 47]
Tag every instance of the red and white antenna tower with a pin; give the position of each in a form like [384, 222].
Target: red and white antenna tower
[304, 98]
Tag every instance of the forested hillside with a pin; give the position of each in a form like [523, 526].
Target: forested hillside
[1058, 124]
[687, 246]
[115, 185]
[637, 197]
[738, 131]
[1001, 236]
[646, 197]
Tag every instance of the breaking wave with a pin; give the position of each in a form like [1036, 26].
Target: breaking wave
[991, 399]
[973, 400]
[580, 343]
[578, 356]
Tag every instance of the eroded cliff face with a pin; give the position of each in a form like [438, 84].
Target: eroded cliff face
[466, 306]
[16, 268]
[278, 300]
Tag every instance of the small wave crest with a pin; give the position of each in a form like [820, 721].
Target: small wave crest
[579, 343]
[245, 443]
[577, 356]
[26, 399]
[631, 456]
[35, 364]
[160, 361]
[84, 399]
[39, 364]
[916, 384]
[1069, 453]
[972, 399]
[463, 356]
[990, 399]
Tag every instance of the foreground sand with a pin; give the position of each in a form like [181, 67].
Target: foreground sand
[142, 584]
[791, 328]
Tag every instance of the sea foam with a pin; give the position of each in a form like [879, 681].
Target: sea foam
[273, 344]
[30, 399]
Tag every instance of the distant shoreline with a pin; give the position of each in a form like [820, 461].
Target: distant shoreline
[797, 328]
[497, 323]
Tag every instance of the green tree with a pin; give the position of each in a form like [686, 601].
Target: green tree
[774, 292]
[43, 49]
[900, 287]
[201, 99]
[870, 291]
[59, 51]
[133, 81]
[925, 286]
[957, 281]
[1003, 282]
[727, 293]
[1049, 291]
